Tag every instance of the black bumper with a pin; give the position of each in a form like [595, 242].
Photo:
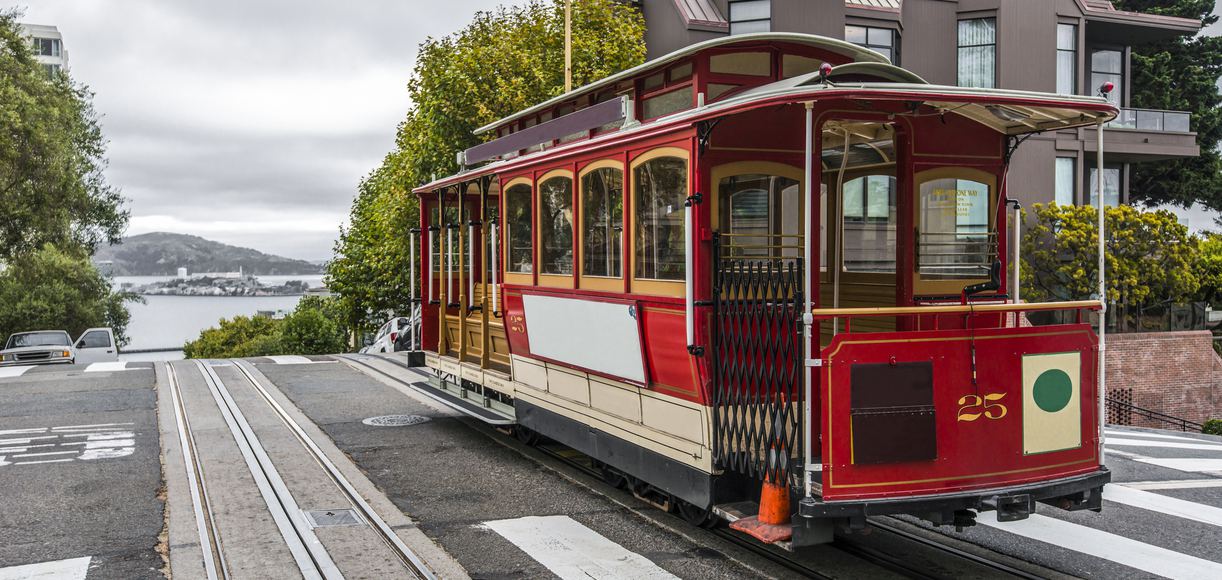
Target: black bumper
[1012, 503]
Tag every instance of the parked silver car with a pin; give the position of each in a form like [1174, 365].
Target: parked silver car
[39, 347]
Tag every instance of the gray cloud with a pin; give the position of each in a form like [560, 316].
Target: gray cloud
[247, 122]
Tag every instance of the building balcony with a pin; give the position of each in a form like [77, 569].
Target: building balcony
[1152, 120]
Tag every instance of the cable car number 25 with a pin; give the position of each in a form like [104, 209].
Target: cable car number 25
[973, 407]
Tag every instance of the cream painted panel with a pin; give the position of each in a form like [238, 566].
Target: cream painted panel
[531, 374]
[674, 419]
[619, 402]
[450, 365]
[600, 336]
[498, 384]
[568, 385]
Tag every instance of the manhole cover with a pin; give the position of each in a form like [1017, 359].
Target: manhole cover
[325, 518]
[395, 420]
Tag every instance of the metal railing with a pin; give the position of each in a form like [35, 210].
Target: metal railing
[1152, 120]
[1119, 408]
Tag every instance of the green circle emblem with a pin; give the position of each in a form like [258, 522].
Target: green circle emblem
[1052, 390]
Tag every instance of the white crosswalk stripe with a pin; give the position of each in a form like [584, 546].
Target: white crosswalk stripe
[6, 372]
[573, 551]
[67, 443]
[106, 367]
[73, 569]
[1199, 445]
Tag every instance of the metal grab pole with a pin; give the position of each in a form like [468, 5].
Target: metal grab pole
[413, 308]
[449, 250]
[495, 262]
[1018, 256]
[688, 262]
[1102, 389]
[470, 264]
[807, 304]
[429, 270]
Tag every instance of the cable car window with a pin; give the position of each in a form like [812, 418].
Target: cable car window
[491, 215]
[556, 226]
[869, 224]
[757, 64]
[442, 238]
[660, 189]
[518, 229]
[763, 215]
[602, 219]
[955, 239]
[667, 103]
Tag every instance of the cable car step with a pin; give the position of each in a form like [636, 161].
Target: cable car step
[743, 517]
[451, 400]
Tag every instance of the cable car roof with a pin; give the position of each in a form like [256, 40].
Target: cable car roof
[846, 49]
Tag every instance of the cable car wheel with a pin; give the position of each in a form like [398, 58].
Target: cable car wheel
[697, 516]
[528, 436]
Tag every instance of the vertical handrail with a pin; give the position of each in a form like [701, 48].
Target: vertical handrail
[807, 303]
[449, 250]
[1018, 258]
[411, 285]
[1101, 389]
[689, 303]
[496, 262]
[429, 270]
[470, 265]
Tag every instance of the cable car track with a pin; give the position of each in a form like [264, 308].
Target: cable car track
[311, 556]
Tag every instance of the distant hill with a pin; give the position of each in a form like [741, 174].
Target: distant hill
[161, 254]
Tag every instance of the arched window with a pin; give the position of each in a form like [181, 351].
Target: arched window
[556, 225]
[519, 256]
[602, 221]
[760, 209]
[659, 191]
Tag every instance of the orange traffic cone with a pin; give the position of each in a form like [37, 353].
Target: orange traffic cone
[772, 524]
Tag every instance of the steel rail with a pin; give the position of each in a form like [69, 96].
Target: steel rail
[958, 309]
[312, 558]
[406, 556]
[215, 566]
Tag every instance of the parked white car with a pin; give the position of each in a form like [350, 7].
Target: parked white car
[41, 347]
[393, 336]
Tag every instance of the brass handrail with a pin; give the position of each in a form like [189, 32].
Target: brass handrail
[956, 309]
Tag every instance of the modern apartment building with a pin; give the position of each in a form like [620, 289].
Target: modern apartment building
[1065, 46]
[48, 45]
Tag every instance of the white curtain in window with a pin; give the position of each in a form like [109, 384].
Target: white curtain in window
[977, 52]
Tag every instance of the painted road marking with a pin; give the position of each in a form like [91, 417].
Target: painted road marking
[1210, 466]
[1166, 444]
[290, 359]
[106, 367]
[6, 372]
[1108, 546]
[1174, 484]
[573, 551]
[73, 569]
[1154, 436]
[82, 442]
[1188, 510]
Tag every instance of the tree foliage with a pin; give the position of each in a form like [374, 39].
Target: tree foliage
[1150, 256]
[52, 153]
[54, 289]
[314, 327]
[504, 61]
[1208, 268]
[1180, 74]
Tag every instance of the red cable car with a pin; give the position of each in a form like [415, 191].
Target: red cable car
[768, 263]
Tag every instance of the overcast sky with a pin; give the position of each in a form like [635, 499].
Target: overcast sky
[249, 122]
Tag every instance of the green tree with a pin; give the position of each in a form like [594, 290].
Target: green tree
[1180, 74]
[54, 289]
[1149, 255]
[310, 331]
[1208, 268]
[504, 61]
[240, 336]
[52, 154]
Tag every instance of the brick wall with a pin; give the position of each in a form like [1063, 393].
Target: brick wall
[1176, 373]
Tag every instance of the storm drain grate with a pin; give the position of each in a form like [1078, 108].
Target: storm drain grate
[395, 420]
[326, 518]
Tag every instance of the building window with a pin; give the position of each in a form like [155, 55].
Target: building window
[884, 41]
[1067, 59]
[556, 226]
[1065, 169]
[1111, 185]
[748, 16]
[602, 222]
[660, 186]
[1108, 65]
[46, 47]
[51, 70]
[978, 53]
[518, 227]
